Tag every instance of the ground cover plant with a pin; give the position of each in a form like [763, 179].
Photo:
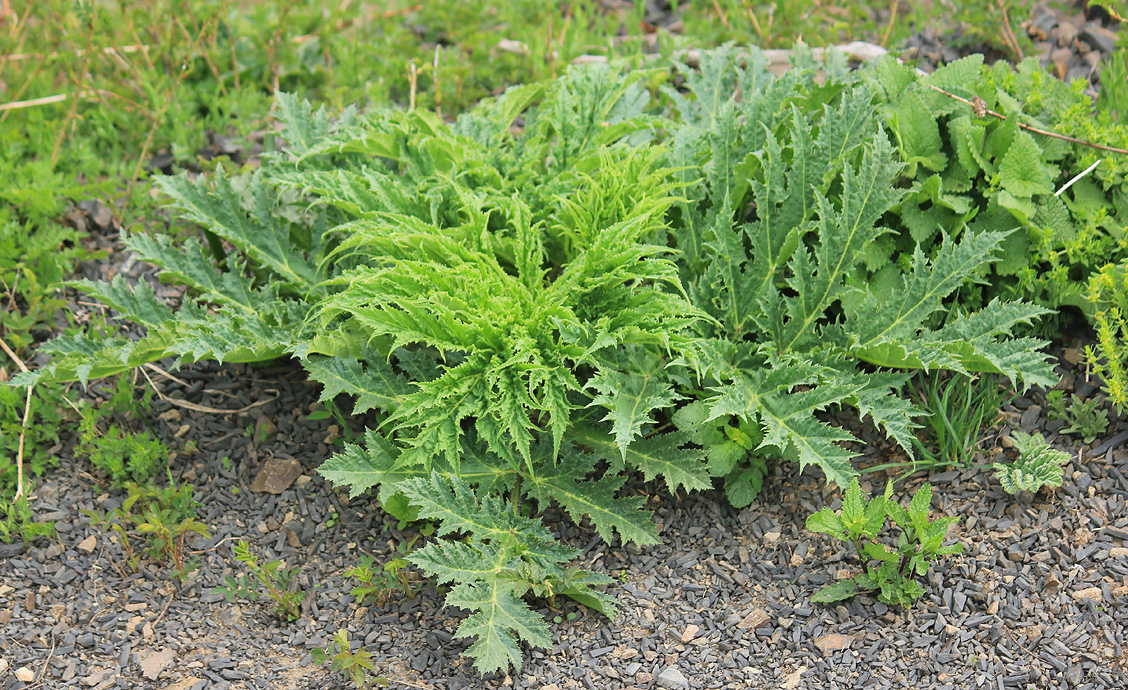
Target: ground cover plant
[607, 273]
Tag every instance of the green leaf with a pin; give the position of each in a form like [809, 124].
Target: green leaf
[1022, 171]
[374, 383]
[660, 455]
[631, 399]
[827, 522]
[497, 613]
[837, 591]
[596, 498]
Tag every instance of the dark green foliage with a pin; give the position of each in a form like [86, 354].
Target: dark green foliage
[970, 172]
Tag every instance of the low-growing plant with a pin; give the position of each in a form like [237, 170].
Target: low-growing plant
[959, 408]
[1037, 465]
[123, 457]
[354, 665]
[17, 520]
[577, 280]
[271, 579]
[1086, 418]
[892, 573]
[163, 518]
[44, 425]
[381, 583]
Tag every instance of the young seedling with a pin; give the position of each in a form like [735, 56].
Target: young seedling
[271, 575]
[354, 665]
[381, 584]
[860, 521]
[164, 517]
[1037, 465]
[1085, 418]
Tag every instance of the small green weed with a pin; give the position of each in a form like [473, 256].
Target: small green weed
[18, 522]
[1084, 418]
[860, 521]
[354, 665]
[1037, 465]
[163, 518]
[959, 407]
[277, 580]
[382, 584]
[43, 424]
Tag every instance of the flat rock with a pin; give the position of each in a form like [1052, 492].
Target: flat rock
[154, 664]
[793, 680]
[88, 544]
[833, 642]
[25, 674]
[1093, 593]
[277, 475]
[757, 618]
[673, 679]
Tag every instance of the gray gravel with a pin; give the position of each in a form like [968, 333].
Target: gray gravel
[1037, 599]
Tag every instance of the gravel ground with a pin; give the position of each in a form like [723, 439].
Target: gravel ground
[1037, 599]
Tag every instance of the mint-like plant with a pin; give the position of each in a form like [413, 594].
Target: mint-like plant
[891, 573]
[1037, 465]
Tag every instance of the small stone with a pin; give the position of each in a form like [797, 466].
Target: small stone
[154, 664]
[3, 665]
[277, 475]
[25, 674]
[757, 618]
[1100, 38]
[1093, 593]
[550, 686]
[793, 680]
[672, 678]
[94, 678]
[85, 640]
[88, 544]
[771, 537]
[689, 633]
[642, 677]
[1118, 552]
[833, 642]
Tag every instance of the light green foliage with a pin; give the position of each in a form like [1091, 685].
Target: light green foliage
[971, 173]
[506, 556]
[890, 572]
[44, 423]
[1086, 418]
[354, 665]
[17, 521]
[124, 457]
[162, 518]
[959, 408]
[1108, 289]
[277, 579]
[566, 285]
[1037, 465]
[1113, 97]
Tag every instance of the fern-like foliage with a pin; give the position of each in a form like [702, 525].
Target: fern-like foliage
[506, 556]
[1037, 465]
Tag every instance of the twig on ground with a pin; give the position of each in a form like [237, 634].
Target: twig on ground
[23, 426]
[31, 103]
[981, 110]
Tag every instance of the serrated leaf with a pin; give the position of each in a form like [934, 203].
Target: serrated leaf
[827, 522]
[497, 612]
[596, 498]
[837, 591]
[1022, 171]
[374, 383]
[631, 398]
[660, 455]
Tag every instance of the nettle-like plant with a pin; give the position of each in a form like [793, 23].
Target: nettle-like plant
[573, 282]
[971, 171]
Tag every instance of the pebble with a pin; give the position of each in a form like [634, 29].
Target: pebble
[673, 678]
